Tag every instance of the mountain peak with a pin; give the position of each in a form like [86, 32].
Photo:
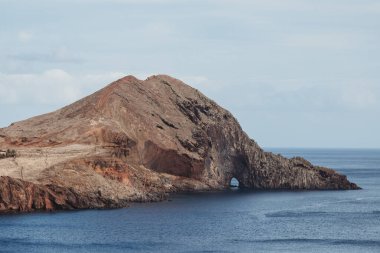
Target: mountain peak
[128, 78]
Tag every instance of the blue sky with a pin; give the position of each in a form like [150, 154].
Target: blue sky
[294, 73]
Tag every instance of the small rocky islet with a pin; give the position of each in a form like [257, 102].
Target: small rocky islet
[138, 141]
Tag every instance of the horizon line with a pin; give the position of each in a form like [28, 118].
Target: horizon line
[352, 148]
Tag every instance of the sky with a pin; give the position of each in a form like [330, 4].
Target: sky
[295, 73]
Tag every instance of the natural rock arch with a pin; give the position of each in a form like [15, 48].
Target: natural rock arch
[234, 183]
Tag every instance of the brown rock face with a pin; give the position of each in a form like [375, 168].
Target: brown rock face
[138, 140]
[20, 196]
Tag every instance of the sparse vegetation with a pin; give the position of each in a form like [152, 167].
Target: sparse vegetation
[8, 153]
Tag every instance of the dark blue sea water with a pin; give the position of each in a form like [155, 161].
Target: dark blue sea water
[233, 221]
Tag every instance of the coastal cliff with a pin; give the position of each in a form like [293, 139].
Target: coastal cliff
[139, 140]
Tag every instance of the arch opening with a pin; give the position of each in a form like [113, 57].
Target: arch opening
[234, 183]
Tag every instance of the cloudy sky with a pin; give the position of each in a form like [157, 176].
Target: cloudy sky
[295, 73]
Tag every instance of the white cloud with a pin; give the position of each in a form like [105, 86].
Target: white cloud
[62, 54]
[54, 86]
[360, 95]
[197, 81]
[370, 6]
[298, 95]
[24, 36]
[59, 54]
[100, 1]
[59, 87]
[322, 40]
[159, 32]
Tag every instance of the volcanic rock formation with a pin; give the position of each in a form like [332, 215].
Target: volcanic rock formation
[139, 140]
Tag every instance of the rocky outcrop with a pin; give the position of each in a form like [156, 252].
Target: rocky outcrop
[20, 196]
[139, 140]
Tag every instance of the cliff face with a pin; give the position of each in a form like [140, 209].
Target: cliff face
[20, 196]
[137, 141]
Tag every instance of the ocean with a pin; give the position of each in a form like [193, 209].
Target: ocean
[229, 221]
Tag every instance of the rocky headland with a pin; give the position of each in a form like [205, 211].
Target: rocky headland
[139, 140]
